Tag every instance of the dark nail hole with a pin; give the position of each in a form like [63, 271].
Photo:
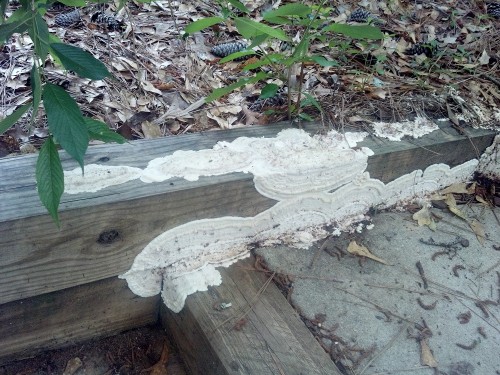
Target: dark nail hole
[108, 237]
[103, 159]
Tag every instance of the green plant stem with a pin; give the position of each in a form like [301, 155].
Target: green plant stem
[289, 95]
[307, 33]
[299, 97]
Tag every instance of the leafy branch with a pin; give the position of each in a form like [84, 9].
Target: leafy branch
[68, 128]
[279, 65]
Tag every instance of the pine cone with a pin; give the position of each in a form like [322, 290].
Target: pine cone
[359, 15]
[68, 18]
[225, 49]
[493, 9]
[107, 20]
[422, 48]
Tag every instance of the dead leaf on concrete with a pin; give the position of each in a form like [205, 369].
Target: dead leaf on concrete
[481, 200]
[452, 206]
[459, 188]
[426, 356]
[363, 251]
[72, 366]
[423, 217]
[478, 230]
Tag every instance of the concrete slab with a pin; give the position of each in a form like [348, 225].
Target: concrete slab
[376, 314]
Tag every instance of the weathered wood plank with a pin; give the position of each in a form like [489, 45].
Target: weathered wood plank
[17, 178]
[36, 257]
[53, 320]
[273, 339]
[393, 159]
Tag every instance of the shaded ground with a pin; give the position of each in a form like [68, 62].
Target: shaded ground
[434, 308]
[145, 351]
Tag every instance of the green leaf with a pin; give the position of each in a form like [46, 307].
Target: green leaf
[302, 48]
[305, 116]
[266, 60]
[73, 3]
[36, 87]
[250, 29]
[65, 121]
[50, 178]
[356, 31]
[39, 33]
[18, 22]
[41, 7]
[80, 61]
[3, 6]
[202, 24]
[238, 5]
[288, 10]
[217, 93]
[323, 61]
[269, 91]
[258, 40]
[11, 119]
[280, 21]
[101, 131]
[309, 100]
[236, 55]
[54, 39]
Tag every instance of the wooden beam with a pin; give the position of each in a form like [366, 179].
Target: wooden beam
[36, 257]
[102, 241]
[272, 340]
[53, 320]
[394, 159]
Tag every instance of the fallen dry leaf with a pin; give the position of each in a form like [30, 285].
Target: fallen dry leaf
[478, 230]
[452, 206]
[484, 59]
[423, 217]
[459, 188]
[72, 366]
[363, 251]
[151, 130]
[481, 200]
[426, 356]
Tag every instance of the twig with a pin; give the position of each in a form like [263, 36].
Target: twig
[316, 254]
[298, 276]
[251, 304]
[422, 274]
[386, 346]
[301, 78]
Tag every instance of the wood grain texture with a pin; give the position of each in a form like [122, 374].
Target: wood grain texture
[36, 257]
[393, 159]
[272, 341]
[57, 319]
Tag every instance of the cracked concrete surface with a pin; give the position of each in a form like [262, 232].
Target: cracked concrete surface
[383, 310]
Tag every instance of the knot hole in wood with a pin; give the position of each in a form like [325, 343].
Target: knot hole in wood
[108, 237]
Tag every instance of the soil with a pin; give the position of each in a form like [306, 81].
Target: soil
[145, 351]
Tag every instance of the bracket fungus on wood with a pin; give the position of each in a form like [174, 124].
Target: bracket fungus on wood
[316, 180]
